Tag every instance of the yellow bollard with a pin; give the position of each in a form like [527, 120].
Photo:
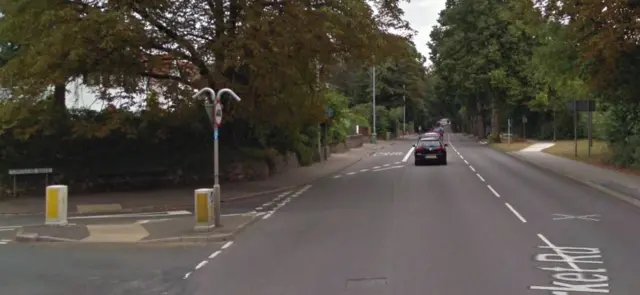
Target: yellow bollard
[56, 205]
[204, 209]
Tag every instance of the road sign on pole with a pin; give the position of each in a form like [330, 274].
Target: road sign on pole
[214, 111]
[218, 113]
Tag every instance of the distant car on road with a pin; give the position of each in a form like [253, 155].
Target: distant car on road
[430, 149]
[429, 134]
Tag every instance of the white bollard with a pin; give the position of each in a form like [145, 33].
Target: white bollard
[56, 205]
[204, 209]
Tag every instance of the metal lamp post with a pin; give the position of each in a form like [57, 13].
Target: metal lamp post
[214, 111]
[404, 110]
[374, 136]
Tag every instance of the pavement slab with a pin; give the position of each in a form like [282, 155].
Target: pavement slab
[182, 229]
[156, 230]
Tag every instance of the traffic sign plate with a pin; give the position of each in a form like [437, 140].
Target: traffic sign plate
[218, 114]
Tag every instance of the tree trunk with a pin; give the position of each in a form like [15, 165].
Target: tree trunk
[59, 96]
[495, 123]
[480, 131]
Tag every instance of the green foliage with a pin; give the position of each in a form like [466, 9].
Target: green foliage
[496, 60]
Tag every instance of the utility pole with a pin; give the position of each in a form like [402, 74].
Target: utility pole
[373, 85]
[404, 110]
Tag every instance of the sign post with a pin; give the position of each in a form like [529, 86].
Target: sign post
[576, 106]
[214, 111]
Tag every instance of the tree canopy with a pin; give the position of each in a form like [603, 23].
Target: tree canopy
[498, 60]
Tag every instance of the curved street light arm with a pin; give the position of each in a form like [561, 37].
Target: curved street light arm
[227, 90]
[212, 94]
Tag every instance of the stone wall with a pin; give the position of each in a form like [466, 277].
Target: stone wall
[354, 141]
[260, 170]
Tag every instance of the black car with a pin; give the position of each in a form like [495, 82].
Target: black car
[430, 150]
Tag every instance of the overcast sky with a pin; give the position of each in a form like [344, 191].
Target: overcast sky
[423, 15]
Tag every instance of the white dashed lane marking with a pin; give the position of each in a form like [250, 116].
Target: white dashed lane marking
[495, 193]
[516, 213]
[228, 244]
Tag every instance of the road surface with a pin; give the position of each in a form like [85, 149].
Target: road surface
[484, 224]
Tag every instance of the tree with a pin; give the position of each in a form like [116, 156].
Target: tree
[480, 51]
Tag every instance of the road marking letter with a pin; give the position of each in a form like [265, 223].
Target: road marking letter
[560, 286]
[572, 278]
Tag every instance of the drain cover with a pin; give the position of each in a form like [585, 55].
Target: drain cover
[365, 283]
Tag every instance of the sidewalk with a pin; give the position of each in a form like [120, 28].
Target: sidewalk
[621, 185]
[182, 199]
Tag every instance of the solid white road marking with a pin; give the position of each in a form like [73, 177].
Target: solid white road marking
[227, 245]
[201, 264]
[389, 153]
[152, 220]
[388, 168]
[472, 169]
[151, 214]
[513, 210]
[406, 157]
[493, 191]
[480, 177]
[267, 215]
[214, 254]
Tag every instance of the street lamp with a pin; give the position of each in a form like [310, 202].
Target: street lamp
[214, 111]
[373, 85]
[404, 110]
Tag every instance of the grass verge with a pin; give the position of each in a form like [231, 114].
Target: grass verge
[600, 154]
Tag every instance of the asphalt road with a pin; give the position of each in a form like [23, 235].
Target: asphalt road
[484, 224]
[435, 230]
